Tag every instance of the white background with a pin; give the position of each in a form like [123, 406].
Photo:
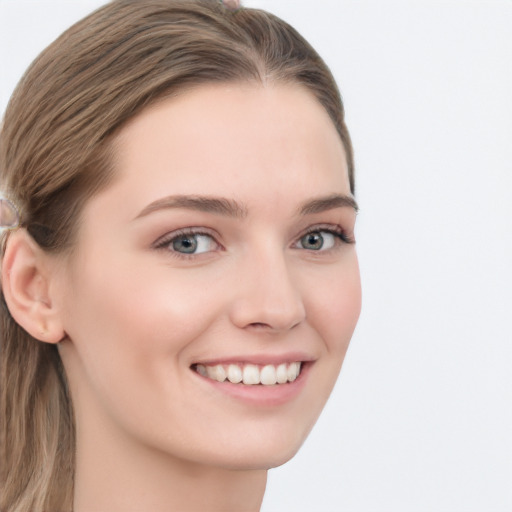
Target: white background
[421, 418]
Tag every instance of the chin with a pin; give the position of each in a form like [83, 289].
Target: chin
[260, 452]
[257, 460]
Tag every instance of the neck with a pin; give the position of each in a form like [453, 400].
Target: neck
[111, 477]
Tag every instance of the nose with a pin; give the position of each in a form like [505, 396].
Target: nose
[267, 296]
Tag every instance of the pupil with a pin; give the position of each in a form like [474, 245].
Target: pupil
[185, 244]
[313, 241]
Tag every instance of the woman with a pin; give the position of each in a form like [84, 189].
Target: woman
[182, 286]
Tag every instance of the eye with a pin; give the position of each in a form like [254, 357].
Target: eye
[318, 240]
[323, 239]
[193, 244]
[188, 243]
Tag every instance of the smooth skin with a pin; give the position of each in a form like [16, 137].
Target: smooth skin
[163, 278]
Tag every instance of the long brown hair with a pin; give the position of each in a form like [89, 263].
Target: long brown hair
[56, 152]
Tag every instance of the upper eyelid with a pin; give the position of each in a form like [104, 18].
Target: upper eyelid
[329, 228]
[171, 235]
[322, 226]
[347, 236]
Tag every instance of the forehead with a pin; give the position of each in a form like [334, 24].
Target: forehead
[231, 140]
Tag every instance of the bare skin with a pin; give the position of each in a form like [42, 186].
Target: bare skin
[225, 241]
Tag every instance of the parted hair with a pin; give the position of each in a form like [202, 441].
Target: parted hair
[56, 151]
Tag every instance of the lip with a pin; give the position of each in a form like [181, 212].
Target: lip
[259, 359]
[259, 394]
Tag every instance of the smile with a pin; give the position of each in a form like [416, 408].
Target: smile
[251, 374]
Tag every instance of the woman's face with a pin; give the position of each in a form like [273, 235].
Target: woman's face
[224, 249]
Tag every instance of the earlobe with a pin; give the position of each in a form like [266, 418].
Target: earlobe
[26, 284]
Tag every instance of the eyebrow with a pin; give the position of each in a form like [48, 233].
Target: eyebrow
[232, 208]
[331, 202]
[217, 205]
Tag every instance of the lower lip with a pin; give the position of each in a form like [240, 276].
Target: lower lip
[258, 394]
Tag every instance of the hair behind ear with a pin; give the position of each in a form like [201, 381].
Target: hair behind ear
[36, 423]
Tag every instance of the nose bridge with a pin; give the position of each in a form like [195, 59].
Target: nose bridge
[267, 295]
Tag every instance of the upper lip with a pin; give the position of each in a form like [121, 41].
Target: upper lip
[258, 359]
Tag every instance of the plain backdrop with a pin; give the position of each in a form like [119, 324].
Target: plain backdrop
[421, 418]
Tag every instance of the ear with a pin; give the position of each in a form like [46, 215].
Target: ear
[27, 286]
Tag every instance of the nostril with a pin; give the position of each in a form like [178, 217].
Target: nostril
[259, 325]
[262, 326]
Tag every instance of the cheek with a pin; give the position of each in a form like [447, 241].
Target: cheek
[132, 327]
[143, 311]
[334, 305]
[136, 322]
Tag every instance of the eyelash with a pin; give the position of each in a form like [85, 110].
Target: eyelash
[336, 231]
[164, 242]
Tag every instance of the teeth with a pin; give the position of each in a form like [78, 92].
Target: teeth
[221, 373]
[268, 375]
[293, 371]
[216, 373]
[202, 370]
[234, 373]
[251, 374]
[282, 374]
